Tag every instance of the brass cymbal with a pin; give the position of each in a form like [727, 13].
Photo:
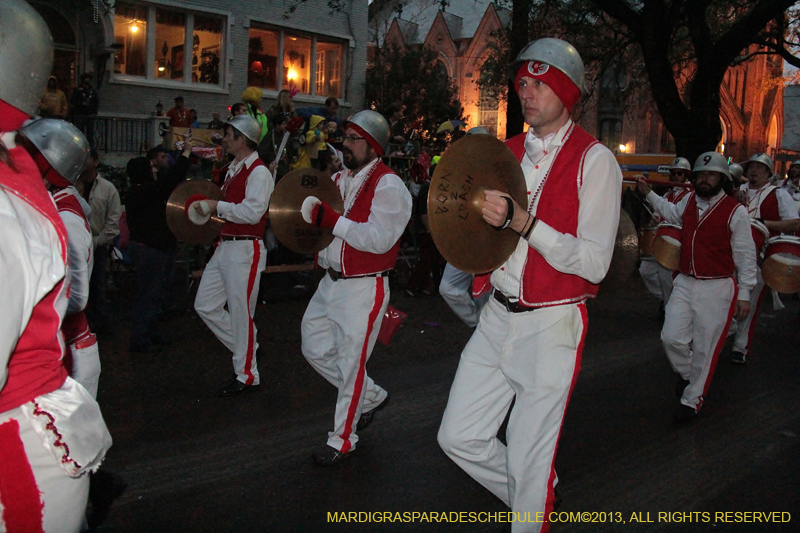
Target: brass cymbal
[626, 252]
[177, 219]
[284, 209]
[470, 166]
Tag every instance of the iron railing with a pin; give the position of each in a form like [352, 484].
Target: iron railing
[118, 134]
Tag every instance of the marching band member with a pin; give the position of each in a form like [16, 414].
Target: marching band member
[233, 275]
[51, 430]
[774, 207]
[341, 324]
[530, 336]
[716, 244]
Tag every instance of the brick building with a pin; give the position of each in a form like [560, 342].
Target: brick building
[207, 51]
[752, 104]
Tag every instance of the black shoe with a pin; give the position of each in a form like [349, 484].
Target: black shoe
[237, 387]
[680, 386]
[684, 413]
[738, 358]
[104, 488]
[327, 456]
[367, 418]
[148, 348]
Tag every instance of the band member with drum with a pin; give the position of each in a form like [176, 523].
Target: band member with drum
[51, 430]
[341, 324]
[716, 245]
[530, 336]
[233, 275]
[773, 207]
[60, 151]
[657, 278]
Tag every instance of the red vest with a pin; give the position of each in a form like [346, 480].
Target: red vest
[35, 367]
[676, 194]
[706, 251]
[234, 190]
[355, 262]
[766, 207]
[542, 285]
[67, 201]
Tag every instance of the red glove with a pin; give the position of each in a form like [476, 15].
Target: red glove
[323, 215]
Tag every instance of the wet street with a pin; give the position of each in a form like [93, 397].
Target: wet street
[194, 461]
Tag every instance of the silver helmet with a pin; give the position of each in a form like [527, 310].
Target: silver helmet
[478, 130]
[712, 162]
[736, 172]
[62, 145]
[557, 53]
[680, 163]
[762, 158]
[247, 126]
[374, 124]
[795, 163]
[26, 55]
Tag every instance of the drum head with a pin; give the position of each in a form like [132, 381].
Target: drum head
[667, 246]
[781, 268]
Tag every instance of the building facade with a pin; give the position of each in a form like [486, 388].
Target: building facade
[208, 51]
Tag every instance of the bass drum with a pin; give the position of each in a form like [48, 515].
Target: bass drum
[667, 246]
[781, 268]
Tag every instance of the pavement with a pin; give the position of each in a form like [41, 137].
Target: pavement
[196, 462]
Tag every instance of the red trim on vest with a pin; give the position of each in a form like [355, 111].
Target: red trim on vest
[23, 509]
[706, 251]
[235, 190]
[542, 285]
[550, 499]
[251, 338]
[35, 367]
[66, 200]
[355, 400]
[355, 262]
[676, 194]
[769, 210]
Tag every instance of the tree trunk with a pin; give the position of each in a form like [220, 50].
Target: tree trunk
[520, 17]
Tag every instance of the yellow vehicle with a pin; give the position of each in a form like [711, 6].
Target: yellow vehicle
[655, 165]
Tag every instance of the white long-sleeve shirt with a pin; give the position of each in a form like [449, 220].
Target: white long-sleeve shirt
[256, 196]
[786, 206]
[744, 249]
[389, 214]
[106, 210]
[81, 254]
[588, 254]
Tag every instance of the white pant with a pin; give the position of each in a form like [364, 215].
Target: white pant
[232, 276]
[534, 356]
[745, 330]
[657, 279]
[339, 330]
[456, 289]
[695, 328]
[86, 363]
[32, 478]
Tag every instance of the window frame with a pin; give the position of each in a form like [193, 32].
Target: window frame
[346, 42]
[149, 79]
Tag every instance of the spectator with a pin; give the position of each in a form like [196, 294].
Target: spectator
[158, 158]
[427, 273]
[152, 246]
[283, 106]
[216, 123]
[252, 98]
[84, 104]
[239, 108]
[329, 163]
[103, 198]
[179, 116]
[396, 125]
[268, 148]
[193, 115]
[54, 102]
[159, 109]
[328, 111]
[315, 137]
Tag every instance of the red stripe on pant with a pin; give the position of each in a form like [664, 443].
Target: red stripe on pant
[752, 329]
[22, 505]
[251, 280]
[362, 362]
[718, 347]
[550, 500]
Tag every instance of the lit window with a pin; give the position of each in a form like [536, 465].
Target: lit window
[309, 64]
[187, 46]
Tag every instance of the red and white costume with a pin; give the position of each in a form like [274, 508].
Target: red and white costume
[573, 190]
[767, 203]
[341, 324]
[83, 357]
[716, 244]
[51, 430]
[234, 272]
[657, 278]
